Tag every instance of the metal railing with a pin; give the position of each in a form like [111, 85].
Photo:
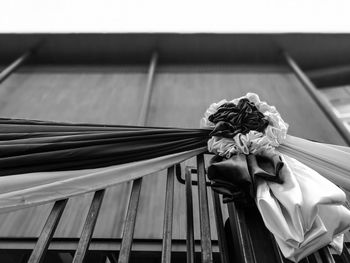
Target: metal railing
[251, 240]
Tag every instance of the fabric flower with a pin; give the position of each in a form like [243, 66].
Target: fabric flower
[231, 119]
[253, 136]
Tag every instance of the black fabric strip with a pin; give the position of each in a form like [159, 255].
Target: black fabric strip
[36, 146]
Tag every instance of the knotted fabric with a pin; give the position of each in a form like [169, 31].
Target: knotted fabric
[235, 178]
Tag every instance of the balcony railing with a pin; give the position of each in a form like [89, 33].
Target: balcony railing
[243, 238]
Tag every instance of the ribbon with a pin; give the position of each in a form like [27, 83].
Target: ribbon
[235, 178]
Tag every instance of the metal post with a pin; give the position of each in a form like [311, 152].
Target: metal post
[324, 105]
[5, 73]
[204, 222]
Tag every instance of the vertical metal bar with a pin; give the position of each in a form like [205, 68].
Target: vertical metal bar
[89, 227]
[278, 253]
[220, 228]
[168, 217]
[323, 256]
[317, 257]
[130, 219]
[46, 234]
[204, 212]
[345, 256]
[112, 258]
[189, 218]
[149, 88]
[324, 105]
[327, 256]
[5, 73]
[241, 237]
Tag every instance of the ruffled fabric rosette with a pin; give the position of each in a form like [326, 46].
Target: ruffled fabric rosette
[303, 210]
[243, 125]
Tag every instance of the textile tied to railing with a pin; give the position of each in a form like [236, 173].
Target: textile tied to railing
[292, 181]
[257, 162]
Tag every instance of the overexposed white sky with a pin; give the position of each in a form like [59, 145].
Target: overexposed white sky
[174, 16]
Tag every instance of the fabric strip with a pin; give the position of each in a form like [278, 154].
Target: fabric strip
[32, 189]
[28, 146]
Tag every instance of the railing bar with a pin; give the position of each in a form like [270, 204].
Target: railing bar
[130, 221]
[168, 217]
[47, 232]
[112, 258]
[189, 218]
[5, 73]
[345, 255]
[131, 213]
[220, 228]
[328, 258]
[278, 253]
[89, 227]
[241, 234]
[317, 257]
[204, 212]
[324, 105]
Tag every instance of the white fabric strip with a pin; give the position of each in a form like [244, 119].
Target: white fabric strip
[305, 213]
[331, 161]
[32, 189]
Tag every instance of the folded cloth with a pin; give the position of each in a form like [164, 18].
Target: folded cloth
[303, 210]
[235, 177]
[305, 213]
